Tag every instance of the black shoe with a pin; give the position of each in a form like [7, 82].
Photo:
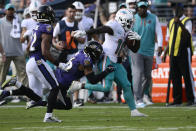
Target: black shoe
[174, 104]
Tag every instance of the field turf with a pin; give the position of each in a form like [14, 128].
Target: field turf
[99, 117]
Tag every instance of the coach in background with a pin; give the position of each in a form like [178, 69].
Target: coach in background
[180, 51]
[11, 47]
[63, 35]
[147, 26]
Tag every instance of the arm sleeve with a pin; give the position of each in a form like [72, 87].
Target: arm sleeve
[99, 30]
[159, 33]
[93, 79]
[188, 26]
[56, 30]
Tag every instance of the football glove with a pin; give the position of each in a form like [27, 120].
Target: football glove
[79, 34]
[133, 35]
[62, 66]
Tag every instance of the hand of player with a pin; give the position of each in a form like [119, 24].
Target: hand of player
[62, 66]
[78, 34]
[110, 68]
[133, 35]
[59, 45]
[27, 33]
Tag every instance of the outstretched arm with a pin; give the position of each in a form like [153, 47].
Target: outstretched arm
[92, 78]
[99, 30]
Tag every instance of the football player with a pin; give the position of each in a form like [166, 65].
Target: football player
[116, 32]
[80, 65]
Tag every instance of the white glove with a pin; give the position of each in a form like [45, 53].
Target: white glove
[133, 35]
[27, 33]
[79, 34]
[62, 66]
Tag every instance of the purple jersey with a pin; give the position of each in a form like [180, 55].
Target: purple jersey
[35, 49]
[74, 69]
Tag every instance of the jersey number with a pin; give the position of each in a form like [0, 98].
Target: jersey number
[34, 38]
[69, 64]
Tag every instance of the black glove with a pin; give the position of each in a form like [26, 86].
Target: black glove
[110, 68]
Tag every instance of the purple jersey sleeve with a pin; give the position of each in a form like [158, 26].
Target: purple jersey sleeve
[46, 28]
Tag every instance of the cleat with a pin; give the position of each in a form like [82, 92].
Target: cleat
[10, 82]
[147, 100]
[3, 102]
[52, 119]
[75, 85]
[32, 104]
[136, 113]
[3, 94]
[140, 105]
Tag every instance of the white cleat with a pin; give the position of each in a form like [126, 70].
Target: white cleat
[140, 105]
[75, 86]
[136, 113]
[52, 119]
[147, 100]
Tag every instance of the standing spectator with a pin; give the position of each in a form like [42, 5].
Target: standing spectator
[131, 4]
[146, 25]
[63, 35]
[180, 51]
[12, 48]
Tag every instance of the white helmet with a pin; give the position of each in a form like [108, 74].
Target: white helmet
[33, 7]
[125, 18]
[133, 9]
[26, 12]
[79, 6]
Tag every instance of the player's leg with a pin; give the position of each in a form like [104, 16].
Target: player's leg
[21, 90]
[43, 72]
[63, 102]
[121, 79]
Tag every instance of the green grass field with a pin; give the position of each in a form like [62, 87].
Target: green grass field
[99, 117]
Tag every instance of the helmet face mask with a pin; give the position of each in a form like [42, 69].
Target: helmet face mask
[125, 18]
[45, 14]
[79, 9]
[33, 7]
[94, 50]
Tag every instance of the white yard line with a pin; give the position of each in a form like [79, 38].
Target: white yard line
[112, 128]
[102, 106]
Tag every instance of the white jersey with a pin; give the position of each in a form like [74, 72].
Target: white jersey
[113, 43]
[29, 24]
[85, 24]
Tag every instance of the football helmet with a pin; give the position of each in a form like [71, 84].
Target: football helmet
[45, 14]
[33, 7]
[80, 10]
[125, 18]
[26, 12]
[94, 50]
[131, 7]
